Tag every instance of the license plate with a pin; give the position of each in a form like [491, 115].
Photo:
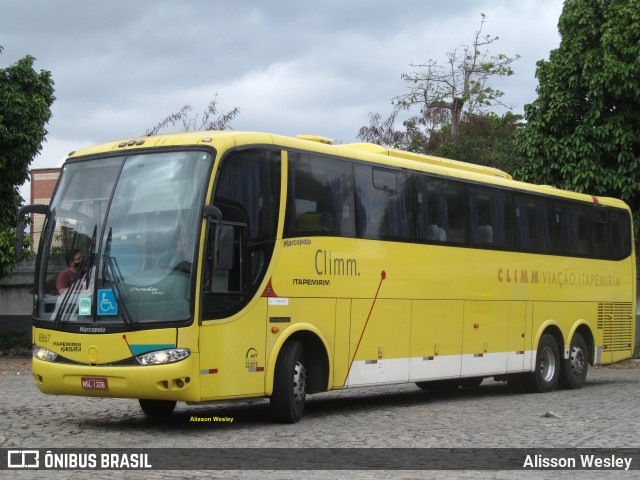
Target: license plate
[94, 383]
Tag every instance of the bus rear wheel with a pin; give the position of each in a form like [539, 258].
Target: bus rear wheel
[289, 384]
[157, 408]
[547, 372]
[574, 369]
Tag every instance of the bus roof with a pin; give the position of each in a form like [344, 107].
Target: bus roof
[430, 159]
[224, 139]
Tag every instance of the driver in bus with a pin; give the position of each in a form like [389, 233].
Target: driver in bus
[178, 258]
[66, 277]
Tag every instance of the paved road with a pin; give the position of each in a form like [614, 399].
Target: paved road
[605, 413]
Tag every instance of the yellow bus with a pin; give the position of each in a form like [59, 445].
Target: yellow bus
[212, 266]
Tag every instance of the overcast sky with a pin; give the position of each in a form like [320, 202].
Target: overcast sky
[291, 67]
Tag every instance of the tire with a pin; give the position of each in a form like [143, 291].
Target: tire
[157, 408]
[289, 384]
[547, 373]
[574, 369]
[448, 385]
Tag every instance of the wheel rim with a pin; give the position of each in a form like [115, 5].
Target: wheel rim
[547, 364]
[578, 361]
[299, 384]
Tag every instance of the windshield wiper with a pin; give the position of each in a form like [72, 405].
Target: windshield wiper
[92, 256]
[111, 274]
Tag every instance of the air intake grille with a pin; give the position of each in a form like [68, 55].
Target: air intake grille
[616, 322]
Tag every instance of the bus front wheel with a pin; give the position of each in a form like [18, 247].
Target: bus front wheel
[574, 368]
[289, 384]
[157, 408]
[547, 369]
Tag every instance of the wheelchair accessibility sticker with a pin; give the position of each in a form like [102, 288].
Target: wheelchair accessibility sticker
[107, 304]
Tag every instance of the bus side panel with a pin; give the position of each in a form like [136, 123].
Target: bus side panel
[284, 313]
[341, 354]
[484, 338]
[232, 355]
[516, 337]
[436, 339]
[379, 341]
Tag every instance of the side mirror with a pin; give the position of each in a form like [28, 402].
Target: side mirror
[21, 225]
[223, 247]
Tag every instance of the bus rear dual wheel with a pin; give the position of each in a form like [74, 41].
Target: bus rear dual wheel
[552, 370]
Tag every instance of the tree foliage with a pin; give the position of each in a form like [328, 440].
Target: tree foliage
[26, 97]
[209, 119]
[444, 92]
[385, 133]
[583, 131]
[486, 139]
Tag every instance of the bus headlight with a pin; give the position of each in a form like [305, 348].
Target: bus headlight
[163, 356]
[43, 354]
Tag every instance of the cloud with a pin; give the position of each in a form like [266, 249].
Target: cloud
[291, 67]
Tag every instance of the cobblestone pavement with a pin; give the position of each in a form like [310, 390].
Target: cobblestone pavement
[604, 413]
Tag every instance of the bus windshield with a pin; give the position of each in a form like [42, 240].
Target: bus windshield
[118, 245]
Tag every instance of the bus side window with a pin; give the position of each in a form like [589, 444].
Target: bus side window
[599, 232]
[430, 221]
[533, 224]
[453, 205]
[619, 236]
[385, 203]
[320, 198]
[491, 217]
[572, 221]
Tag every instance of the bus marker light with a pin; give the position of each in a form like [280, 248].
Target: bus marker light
[476, 325]
[275, 329]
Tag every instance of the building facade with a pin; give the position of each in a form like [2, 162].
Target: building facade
[43, 182]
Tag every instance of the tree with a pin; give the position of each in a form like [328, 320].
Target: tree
[384, 132]
[205, 122]
[26, 97]
[452, 101]
[583, 131]
[483, 139]
[486, 139]
[444, 92]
